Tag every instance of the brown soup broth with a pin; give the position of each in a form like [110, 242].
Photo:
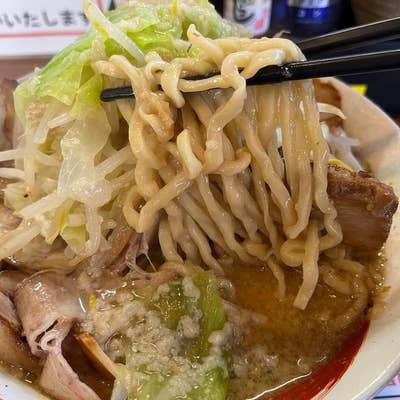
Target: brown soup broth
[293, 342]
[267, 357]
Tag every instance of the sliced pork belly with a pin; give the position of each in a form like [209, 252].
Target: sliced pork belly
[127, 255]
[8, 313]
[365, 207]
[9, 280]
[14, 351]
[118, 239]
[60, 381]
[132, 245]
[48, 305]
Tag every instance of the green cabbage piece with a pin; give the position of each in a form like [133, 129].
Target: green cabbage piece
[210, 305]
[153, 27]
[213, 387]
[174, 305]
[79, 146]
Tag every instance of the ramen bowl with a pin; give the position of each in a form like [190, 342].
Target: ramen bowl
[371, 357]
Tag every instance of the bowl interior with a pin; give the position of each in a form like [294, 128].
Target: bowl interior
[379, 358]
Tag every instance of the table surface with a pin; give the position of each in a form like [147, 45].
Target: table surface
[15, 68]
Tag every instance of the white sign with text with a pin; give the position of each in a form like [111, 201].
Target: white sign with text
[41, 27]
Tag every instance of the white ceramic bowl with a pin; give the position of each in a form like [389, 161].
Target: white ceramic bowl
[378, 359]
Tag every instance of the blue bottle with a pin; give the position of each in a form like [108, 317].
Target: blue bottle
[313, 17]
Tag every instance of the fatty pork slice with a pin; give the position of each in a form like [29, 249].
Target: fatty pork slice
[365, 207]
[48, 305]
[13, 350]
[60, 380]
[9, 280]
[8, 313]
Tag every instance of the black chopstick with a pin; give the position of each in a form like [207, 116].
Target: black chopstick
[335, 66]
[351, 38]
[116, 93]
[345, 39]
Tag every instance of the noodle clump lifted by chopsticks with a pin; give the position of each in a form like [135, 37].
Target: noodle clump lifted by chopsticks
[235, 172]
[223, 172]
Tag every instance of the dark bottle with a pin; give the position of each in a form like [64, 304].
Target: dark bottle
[313, 17]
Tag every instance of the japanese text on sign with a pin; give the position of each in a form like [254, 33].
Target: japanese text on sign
[41, 27]
[44, 19]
